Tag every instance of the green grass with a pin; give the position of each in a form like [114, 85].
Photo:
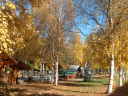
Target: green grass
[94, 82]
[102, 81]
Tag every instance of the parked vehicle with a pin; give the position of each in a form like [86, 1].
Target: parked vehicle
[67, 74]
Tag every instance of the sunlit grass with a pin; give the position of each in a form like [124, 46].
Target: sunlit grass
[94, 82]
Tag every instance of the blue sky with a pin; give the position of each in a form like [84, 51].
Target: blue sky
[85, 22]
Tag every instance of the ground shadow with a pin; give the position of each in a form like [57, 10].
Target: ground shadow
[23, 91]
[69, 90]
[40, 87]
[77, 91]
[44, 94]
[80, 84]
[74, 85]
[16, 90]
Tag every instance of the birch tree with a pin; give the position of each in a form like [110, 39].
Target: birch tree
[54, 19]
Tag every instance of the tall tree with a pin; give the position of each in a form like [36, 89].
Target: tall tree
[55, 19]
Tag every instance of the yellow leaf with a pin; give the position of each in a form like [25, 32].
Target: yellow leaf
[11, 5]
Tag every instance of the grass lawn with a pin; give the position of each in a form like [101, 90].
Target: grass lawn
[94, 82]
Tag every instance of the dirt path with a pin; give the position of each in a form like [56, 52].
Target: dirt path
[63, 89]
[40, 89]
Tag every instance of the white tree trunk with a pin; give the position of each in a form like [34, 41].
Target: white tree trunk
[53, 75]
[126, 75]
[85, 65]
[43, 69]
[112, 71]
[56, 73]
[121, 77]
